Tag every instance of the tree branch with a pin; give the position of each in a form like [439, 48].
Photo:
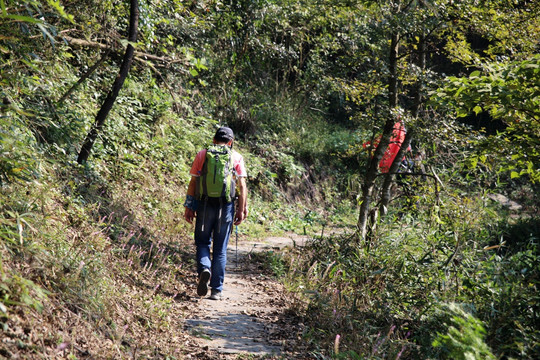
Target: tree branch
[85, 76]
[117, 49]
[176, 106]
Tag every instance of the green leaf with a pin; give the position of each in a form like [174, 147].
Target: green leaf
[27, 19]
[477, 109]
[60, 9]
[461, 112]
[46, 33]
[531, 66]
[514, 174]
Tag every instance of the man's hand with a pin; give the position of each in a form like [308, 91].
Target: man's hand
[240, 216]
[241, 212]
[189, 215]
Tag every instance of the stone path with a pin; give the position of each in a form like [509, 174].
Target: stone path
[251, 310]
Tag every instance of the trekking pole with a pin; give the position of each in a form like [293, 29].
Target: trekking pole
[237, 246]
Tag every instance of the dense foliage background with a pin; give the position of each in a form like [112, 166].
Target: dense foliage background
[447, 268]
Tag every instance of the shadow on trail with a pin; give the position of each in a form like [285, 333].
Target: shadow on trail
[234, 333]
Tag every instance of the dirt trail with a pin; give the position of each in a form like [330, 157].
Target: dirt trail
[252, 316]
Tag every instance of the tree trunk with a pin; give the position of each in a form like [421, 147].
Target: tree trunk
[117, 85]
[389, 179]
[369, 180]
[418, 98]
[386, 194]
[393, 80]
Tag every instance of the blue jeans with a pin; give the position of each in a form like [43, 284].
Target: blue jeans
[210, 227]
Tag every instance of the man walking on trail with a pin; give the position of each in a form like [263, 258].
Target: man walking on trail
[218, 174]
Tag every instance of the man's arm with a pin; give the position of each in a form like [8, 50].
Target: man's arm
[241, 208]
[190, 214]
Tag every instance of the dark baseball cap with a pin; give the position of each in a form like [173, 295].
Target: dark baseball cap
[224, 134]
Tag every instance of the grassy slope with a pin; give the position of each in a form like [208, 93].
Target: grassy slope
[110, 268]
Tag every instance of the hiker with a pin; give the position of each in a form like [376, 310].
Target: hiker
[216, 207]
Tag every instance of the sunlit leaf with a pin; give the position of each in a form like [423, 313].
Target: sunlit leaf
[22, 18]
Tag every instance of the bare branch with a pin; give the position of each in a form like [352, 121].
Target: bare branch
[119, 49]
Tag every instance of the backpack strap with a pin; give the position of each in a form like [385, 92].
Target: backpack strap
[220, 213]
[229, 168]
[202, 180]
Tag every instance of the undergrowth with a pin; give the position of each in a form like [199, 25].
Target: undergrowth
[388, 298]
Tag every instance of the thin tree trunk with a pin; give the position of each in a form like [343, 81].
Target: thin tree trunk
[393, 80]
[389, 178]
[418, 98]
[386, 194]
[117, 85]
[369, 180]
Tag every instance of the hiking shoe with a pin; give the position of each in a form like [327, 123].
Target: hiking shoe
[215, 295]
[202, 287]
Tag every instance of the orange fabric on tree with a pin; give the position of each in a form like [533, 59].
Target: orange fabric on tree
[398, 135]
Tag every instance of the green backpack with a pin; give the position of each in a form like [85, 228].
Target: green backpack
[216, 180]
